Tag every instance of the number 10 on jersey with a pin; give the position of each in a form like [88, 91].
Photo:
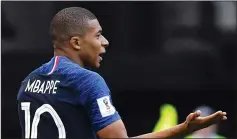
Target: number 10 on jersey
[25, 106]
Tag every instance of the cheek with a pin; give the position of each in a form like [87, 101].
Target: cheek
[96, 45]
[93, 49]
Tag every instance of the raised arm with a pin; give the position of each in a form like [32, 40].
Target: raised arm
[192, 123]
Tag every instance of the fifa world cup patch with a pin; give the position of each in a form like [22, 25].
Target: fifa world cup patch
[105, 106]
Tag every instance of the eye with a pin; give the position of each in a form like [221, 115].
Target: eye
[98, 36]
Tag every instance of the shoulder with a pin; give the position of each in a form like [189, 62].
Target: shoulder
[74, 71]
[31, 74]
[90, 86]
[81, 78]
[88, 79]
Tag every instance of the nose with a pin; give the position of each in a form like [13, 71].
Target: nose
[105, 42]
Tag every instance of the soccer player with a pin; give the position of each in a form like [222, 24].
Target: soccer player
[63, 99]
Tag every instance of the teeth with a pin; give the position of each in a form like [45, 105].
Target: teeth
[101, 58]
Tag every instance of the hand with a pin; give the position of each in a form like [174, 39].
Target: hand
[194, 122]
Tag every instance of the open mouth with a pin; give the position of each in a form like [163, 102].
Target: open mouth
[101, 55]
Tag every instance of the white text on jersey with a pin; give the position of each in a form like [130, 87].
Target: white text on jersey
[43, 87]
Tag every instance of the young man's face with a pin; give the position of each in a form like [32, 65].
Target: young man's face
[93, 43]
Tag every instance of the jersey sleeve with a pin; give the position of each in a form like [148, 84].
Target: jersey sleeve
[98, 102]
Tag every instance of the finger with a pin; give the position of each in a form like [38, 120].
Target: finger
[215, 116]
[221, 114]
[194, 115]
[224, 118]
[190, 117]
[197, 113]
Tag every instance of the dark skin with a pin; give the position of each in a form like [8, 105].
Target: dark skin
[85, 50]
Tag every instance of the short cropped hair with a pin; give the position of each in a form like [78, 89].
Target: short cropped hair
[69, 22]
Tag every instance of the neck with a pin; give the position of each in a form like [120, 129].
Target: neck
[66, 52]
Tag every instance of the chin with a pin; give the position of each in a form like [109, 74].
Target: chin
[97, 65]
[94, 65]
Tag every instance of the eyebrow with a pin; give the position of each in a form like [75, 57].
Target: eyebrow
[100, 31]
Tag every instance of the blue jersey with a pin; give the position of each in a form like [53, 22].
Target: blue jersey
[60, 99]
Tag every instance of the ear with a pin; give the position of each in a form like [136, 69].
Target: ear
[75, 42]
